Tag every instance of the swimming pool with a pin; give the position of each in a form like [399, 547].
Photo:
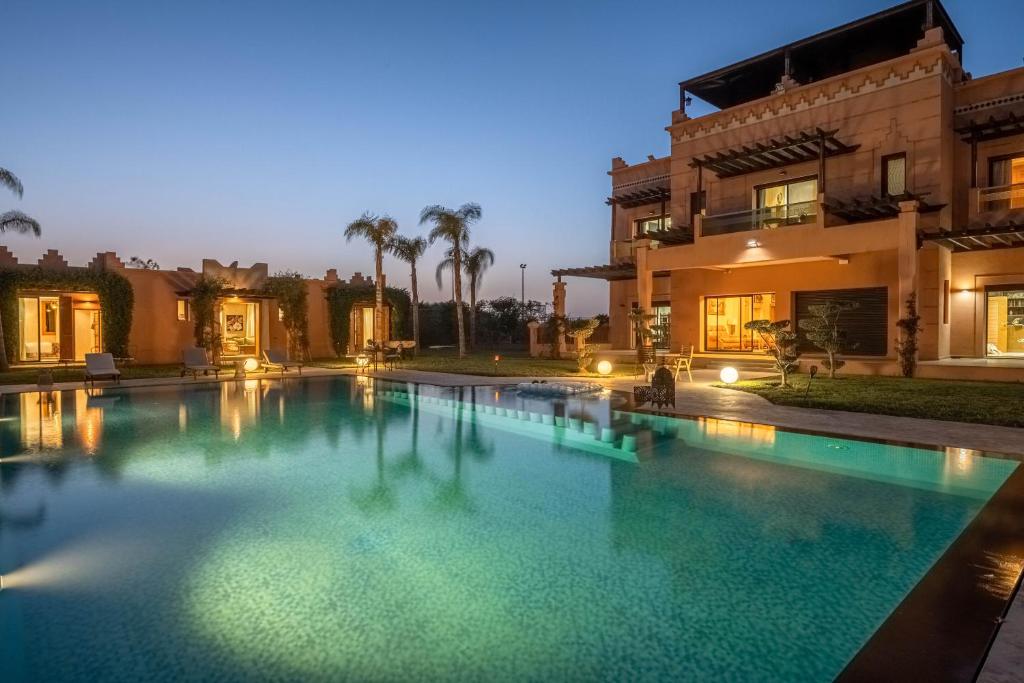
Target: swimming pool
[344, 528]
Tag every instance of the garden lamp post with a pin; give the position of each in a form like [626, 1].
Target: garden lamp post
[522, 284]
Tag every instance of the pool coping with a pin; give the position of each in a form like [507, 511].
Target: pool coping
[944, 627]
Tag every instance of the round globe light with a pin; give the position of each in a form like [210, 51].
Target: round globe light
[251, 365]
[604, 368]
[729, 375]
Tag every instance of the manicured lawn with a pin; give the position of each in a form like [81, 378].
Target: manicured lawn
[512, 364]
[75, 374]
[996, 403]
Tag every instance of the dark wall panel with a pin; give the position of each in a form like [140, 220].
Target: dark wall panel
[867, 327]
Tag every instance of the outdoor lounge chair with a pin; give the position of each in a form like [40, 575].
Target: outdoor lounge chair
[278, 360]
[195, 360]
[100, 366]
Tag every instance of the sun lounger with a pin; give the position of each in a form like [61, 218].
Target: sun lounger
[277, 360]
[100, 366]
[195, 360]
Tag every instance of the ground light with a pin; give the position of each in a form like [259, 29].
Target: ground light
[251, 365]
[604, 368]
[729, 375]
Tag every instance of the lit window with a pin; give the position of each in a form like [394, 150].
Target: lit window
[653, 224]
[182, 309]
[894, 174]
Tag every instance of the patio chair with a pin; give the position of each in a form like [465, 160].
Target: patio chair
[195, 360]
[278, 360]
[100, 366]
[683, 361]
[646, 361]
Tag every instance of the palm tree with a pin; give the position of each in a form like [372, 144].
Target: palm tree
[13, 221]
[378, 231]
[410, 249]
[478, 260]
[452, 226]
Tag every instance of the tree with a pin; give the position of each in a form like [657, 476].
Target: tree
[782, 345]
[478, 260]
[378, 231]
[143, 264]
[452, 226]
[204, 297]
[410, 250]
[822, 330]
[906, 345]
[14, 221]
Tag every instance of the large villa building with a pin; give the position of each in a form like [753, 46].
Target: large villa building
[863, 164]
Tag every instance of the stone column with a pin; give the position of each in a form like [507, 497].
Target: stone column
[533, 326]
[644, 280]
[558, 303]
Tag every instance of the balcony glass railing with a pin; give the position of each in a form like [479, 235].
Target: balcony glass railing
[1001, 198]
[766, 218]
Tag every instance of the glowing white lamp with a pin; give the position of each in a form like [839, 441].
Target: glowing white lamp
[729, 375]
[604, 368]
[251, 365]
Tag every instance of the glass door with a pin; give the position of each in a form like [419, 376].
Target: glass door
[39, 328]
[1004, 324]
[725, 319]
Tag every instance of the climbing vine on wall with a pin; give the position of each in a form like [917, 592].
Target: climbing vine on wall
[289, 288]
[116, 296]
[339, 307]
[204, 298]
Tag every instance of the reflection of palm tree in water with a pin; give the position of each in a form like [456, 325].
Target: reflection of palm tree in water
[379, 497]
[409, 462]
[452, 495]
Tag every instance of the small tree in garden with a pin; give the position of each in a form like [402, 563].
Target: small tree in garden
[581, 331]
[906, 345]
[555, 327]
[822, 330]
[781, 343]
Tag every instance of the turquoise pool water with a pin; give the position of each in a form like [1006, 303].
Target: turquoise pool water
[345, 529]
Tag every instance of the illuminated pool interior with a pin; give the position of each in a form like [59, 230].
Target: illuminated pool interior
[348, 528]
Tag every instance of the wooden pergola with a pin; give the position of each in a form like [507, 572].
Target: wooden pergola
[785, 150]
[611, 272]
[1006, 235]
[872, 208]
[672, 236]
[993, 128]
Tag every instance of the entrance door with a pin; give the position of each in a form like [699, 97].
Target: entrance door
[1004, 324]
[239, 324]
[87, 332]
[367, 327]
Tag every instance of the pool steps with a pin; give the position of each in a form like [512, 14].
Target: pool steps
[573, 432]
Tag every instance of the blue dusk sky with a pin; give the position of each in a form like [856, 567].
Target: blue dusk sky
[256, 131]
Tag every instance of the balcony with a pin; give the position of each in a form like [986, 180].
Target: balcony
[767, 218]
[1001, 198]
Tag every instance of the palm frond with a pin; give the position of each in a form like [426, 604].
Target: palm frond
[408, 249]
[447, 264]
[11, 182]
[360, 227]
[16, 221]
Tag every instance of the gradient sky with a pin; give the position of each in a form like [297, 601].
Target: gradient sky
[256, 131]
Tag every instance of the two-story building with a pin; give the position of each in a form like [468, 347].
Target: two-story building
[863, 164]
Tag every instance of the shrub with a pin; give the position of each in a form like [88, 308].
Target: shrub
[822, 330]
[906, 345]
